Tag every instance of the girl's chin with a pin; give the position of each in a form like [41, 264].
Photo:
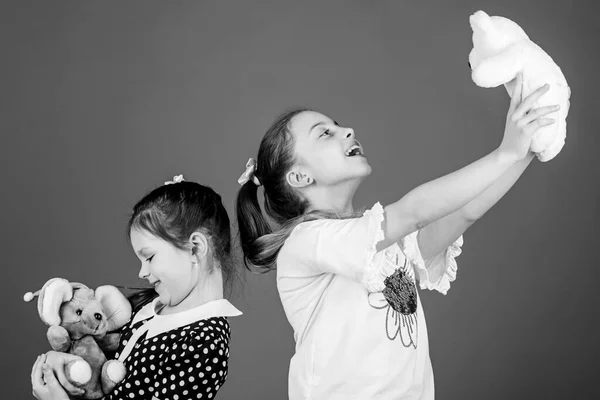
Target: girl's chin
[163, 296]
[365, 171]
[164, 300]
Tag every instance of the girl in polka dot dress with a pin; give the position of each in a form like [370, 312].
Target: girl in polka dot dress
[176, 345]
[348, 280]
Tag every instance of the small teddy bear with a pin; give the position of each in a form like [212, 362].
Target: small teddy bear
[82, 322]
[501, 49]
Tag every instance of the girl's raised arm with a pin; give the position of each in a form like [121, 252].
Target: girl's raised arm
[442, 196]
[437, 236]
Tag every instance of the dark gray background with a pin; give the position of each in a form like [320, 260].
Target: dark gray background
[103, 101]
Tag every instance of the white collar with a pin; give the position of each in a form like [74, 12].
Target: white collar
[164, 323]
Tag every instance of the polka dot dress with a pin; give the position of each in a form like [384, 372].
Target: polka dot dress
[189, 362]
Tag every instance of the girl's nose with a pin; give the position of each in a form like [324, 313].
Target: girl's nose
[143, 274]
[349, 133]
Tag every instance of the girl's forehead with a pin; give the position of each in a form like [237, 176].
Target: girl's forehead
[306, 120]
[142, 238]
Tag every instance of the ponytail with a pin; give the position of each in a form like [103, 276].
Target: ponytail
[260, 244]
[140, 297]
[252, 225]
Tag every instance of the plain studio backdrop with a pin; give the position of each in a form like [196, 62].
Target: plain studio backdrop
[104, 101]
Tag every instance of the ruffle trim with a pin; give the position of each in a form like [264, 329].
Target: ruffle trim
[411, 250]
[410, 247]
[373, 276]
[451, 266]
[377, 269]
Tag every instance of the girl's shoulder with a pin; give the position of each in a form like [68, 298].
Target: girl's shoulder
[213, 328]
[200, 339]
[339, 246]
[339, 221]
[332, 228]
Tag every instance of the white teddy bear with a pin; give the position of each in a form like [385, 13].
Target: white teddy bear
[501, 49]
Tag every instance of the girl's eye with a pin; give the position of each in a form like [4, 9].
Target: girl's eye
[150, 258]
[325, 132]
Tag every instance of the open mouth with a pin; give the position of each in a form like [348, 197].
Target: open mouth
[354, 150]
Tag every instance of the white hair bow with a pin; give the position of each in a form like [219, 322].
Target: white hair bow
[176, 179]
[249, 173]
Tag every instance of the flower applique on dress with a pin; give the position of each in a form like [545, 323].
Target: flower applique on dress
[399, 301]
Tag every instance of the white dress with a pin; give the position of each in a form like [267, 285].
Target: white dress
[358, 323]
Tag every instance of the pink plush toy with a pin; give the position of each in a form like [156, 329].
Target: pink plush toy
[82, 322]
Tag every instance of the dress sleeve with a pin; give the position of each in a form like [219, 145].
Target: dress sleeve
[337, 246]
[436, 272]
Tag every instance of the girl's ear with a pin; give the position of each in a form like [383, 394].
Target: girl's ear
[200, 245]
[298, 179]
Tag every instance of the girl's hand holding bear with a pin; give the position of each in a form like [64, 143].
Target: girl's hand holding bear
[522, 122]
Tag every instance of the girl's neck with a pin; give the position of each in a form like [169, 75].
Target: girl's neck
[335, 198]
[209, 288]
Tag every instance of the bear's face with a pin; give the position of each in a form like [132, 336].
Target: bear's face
[492, 36]
[83, 315]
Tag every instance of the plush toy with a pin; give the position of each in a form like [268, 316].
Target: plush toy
[81, 322]
[501, 50]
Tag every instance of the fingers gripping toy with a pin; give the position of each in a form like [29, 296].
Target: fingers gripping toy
[501, 49]
[80, 322]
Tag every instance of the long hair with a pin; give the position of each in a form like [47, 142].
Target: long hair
[173, 213]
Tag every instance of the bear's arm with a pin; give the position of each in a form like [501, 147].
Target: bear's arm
[110, 342]
[59, 339]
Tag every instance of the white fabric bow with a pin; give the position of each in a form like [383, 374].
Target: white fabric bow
[249, 173]
[176, 179]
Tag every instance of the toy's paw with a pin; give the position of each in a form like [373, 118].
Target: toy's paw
[78, 372]
[58, 337]
[550, 152]
[541, 143]
[113, 372]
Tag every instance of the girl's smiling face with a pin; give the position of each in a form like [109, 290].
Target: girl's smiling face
[167, 268]
[327, 152]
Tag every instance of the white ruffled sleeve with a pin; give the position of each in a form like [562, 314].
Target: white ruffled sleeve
[339, 246]
[436, 272]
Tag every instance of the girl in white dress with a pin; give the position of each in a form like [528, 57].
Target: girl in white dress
[347, 280]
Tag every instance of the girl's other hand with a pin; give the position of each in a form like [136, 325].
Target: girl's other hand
[44, 384]
[522, 121]
[58, 361]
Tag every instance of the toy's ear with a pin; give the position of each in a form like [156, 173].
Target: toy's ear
[480, 21]
[50, 297]
[115, 306]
